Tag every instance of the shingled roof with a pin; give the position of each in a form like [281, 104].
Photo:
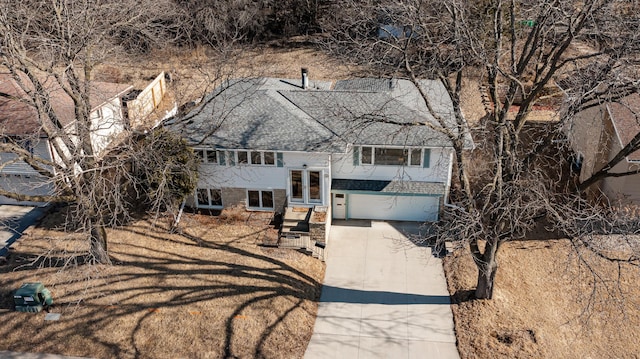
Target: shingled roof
[625, 115]
[389, 187]
[19, 117]
[277, 114]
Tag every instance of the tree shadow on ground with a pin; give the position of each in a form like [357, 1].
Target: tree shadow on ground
[345, 295]
[463, 295]
[234, 300]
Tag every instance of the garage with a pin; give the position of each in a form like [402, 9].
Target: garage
[395, 208]
[386, 200]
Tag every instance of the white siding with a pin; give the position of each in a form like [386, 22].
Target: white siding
[265, 177]
[438, 171]
[106, 127]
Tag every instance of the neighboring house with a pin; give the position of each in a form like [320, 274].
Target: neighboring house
[18, 123]
[598, 134]
[267, 143]
[147, 108]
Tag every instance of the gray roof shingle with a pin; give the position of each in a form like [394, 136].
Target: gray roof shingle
[372, 85]
[275, 114]
[390, 187]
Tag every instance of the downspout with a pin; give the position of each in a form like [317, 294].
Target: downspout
[177, 221]
[448, 187]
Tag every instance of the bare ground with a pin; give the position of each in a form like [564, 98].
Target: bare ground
[545, 306]
[196, 72]
[209, 292]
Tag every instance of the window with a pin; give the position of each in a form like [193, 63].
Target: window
[367, 156]
[209, 198]
[415, 158]
[199, 154]
[269, 158]
[315, 184]
[215, 196]
[212, 156]
[296, 186]
[203, 197]
[390, 156]
[256, 158]
[231, 158]
[260, 199]
[253, 198]
[207, 155]
[267, 199]
[242, 157]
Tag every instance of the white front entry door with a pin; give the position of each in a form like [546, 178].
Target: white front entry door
[339, 206]
[305, 186]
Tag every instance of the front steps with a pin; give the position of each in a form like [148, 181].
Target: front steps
[294, 232]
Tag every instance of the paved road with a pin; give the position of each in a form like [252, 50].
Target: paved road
[13, 221]
[383, 297]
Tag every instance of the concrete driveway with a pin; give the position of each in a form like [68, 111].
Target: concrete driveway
[383, 296]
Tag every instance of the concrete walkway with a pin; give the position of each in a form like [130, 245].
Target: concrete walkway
[383, 296]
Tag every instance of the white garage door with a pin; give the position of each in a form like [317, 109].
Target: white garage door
[395, 208]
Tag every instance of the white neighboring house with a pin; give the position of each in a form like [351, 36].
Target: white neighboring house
[598, 134]
[267, 143]
[18, 123]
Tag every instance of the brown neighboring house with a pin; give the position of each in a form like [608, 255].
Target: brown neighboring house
[598, 134]
[19, 123]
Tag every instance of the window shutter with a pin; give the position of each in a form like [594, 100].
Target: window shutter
[427, 158]
[279, 159]
[356, 155]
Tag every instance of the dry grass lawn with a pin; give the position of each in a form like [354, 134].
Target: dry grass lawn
[209, 292]
[212, 292]
[544, 306]
[196, 72]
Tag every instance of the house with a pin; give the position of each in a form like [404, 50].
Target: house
[19, 124]
[598, 134]
[268, 143]
[147, 108]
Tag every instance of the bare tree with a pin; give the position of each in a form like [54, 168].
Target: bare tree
[49, 50]
[518, 51]
[229, 21]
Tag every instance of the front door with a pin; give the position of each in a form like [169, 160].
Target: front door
[339, 206]
[305, 186]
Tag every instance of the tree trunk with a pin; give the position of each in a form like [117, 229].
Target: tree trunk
[486, 275]
[98, 243]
